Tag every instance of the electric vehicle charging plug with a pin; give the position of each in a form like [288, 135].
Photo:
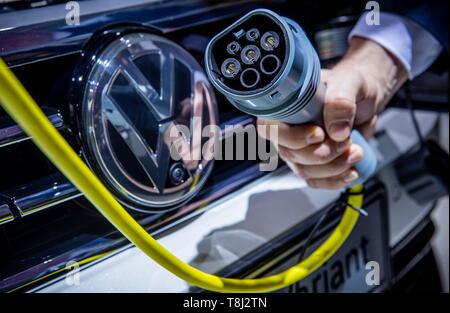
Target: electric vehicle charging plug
[279, 75]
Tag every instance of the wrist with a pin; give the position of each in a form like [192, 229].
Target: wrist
[376, 65]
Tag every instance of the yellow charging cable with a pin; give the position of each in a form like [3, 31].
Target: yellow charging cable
[22, 108]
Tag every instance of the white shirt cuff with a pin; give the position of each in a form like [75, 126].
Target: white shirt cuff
[412, 45]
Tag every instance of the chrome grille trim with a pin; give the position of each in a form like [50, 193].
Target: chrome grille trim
[41, 194]
[11, 133]
[5, 213]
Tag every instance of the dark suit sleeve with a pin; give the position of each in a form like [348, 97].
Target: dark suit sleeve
[432, 15]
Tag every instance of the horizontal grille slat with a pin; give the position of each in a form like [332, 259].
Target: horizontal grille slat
[11, 133]
[41, 194]
[5, 213]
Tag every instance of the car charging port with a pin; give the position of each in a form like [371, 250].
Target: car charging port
[230, 68]
[270, 41]
[250, 55]
[252, 34]
[233, 48]
[269, 64]
[250, 78]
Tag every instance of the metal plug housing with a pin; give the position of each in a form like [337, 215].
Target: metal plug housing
[280, 70]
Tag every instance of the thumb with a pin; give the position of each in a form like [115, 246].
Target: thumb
[343, 88]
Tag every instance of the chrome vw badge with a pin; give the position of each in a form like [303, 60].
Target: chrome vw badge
[140, 86]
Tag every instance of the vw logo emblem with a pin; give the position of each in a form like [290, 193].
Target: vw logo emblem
[141, 85]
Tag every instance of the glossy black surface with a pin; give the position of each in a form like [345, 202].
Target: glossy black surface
[41, 194]
[11, 133]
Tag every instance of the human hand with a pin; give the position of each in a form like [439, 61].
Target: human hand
[358, 88]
